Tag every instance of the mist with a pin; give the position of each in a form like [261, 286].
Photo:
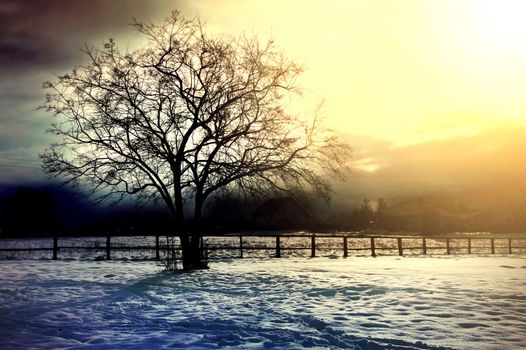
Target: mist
[480, 170]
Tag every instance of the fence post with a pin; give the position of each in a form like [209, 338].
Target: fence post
[400, 248]
[509, 245]
[373, 250]
[345, 253]
[278, 248]
[469, 245]
[55, 247]
[108, 247]
[313, 246]
[157, 255]
[202, 247]
[492, 246]
[241, 246]
[424, 246]
[448, 250]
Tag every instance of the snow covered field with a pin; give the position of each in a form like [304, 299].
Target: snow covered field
[359, 302]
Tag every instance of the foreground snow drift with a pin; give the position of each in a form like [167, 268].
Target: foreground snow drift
[360, 303]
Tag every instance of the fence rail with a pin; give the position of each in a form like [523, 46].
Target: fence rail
[371, 245]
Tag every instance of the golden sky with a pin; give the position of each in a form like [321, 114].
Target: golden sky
[431, 94]
[404, 71]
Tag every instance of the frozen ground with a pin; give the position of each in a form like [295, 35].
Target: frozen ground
[361, 303]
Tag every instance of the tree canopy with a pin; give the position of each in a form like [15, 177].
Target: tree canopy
[184, 116]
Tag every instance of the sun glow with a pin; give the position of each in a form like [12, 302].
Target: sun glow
[500, 23]
[408, 71]
[366, 164]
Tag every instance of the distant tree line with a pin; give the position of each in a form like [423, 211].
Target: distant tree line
[36, 212]
[29, 212]
[362, 218]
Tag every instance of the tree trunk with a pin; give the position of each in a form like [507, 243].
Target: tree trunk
[190, 238]
[192, 256]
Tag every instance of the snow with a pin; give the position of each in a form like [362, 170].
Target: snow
[364, 303]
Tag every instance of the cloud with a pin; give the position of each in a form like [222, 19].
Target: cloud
[488, 164]
[47, 33]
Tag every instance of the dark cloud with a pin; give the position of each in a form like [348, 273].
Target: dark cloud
[48, 33]
[39, 38]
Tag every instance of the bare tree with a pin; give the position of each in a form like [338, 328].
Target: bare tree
[183, 117]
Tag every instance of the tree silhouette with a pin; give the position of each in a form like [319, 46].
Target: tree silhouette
[381, 206]
[183, 117]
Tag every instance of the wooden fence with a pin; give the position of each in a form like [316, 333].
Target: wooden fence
[274, 244]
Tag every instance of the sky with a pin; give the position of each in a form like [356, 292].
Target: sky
[431, 94]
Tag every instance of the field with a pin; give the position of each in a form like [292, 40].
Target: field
[291, 303]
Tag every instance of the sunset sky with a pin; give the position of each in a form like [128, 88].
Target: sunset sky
[430, 94]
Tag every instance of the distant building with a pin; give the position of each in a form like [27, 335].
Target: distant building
[283, 213]
[502, 218]
[422, 216]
